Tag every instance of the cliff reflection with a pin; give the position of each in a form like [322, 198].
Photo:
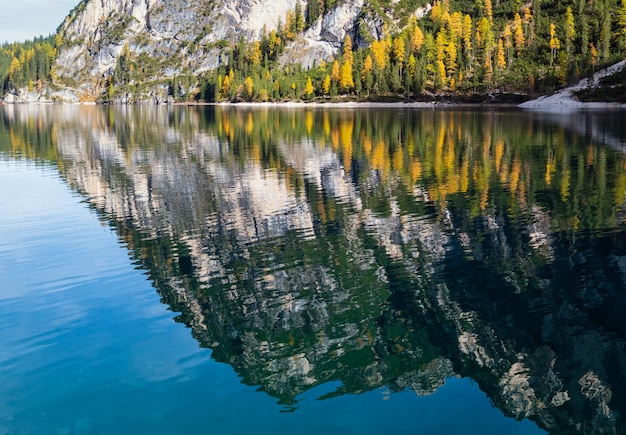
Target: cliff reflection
[376, 248]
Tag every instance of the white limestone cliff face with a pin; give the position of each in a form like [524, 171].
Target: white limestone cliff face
[322, 40]
[180, 34]
[86, 28]
[188, 37]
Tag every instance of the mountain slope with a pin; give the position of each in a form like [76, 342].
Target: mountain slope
[176, 36]
[186, 37]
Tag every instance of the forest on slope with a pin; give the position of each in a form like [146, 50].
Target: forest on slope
[460, 49]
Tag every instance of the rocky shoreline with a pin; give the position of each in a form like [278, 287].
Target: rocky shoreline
[565, 99]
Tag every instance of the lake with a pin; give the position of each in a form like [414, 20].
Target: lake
[312, 270]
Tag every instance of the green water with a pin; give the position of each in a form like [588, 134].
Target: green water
[238, 270]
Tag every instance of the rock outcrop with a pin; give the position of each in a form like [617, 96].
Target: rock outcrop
[565, 99]
[322, 40]
[190, 37]
[173, 36]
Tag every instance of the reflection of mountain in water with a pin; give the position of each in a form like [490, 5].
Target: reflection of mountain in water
[372, 248]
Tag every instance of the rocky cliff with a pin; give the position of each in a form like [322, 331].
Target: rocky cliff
[174, 37]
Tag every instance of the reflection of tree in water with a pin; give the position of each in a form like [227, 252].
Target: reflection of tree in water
[377, 248]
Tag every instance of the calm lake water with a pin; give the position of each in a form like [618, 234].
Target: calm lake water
[173, 270]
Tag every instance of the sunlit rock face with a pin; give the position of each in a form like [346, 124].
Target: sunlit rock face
[325, 37]
[189, 35]
[175, 34]
[304, 255]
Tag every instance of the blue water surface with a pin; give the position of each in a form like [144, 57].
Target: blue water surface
[86, 346]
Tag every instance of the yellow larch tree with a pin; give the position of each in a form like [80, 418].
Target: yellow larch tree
[274, 43]
[486, 41]
[570, 29]
[399, 52]
[254, 54]
[436, 11]
[347, 49]
[368, 66]
[451, 55]
[380, 54]
[440, 74]
[555, 43]
[249, 84]
[529, 25]
[593, 53]
[417, 39]
[290, 25]
[440, 44]
[335, 74]
[13, 67]
[489, 10]
[455, 23]
[326, 85]
[518, 34]
[500, 58]
[309, 90]
[226, 86]
[346, 82]
[488, 69]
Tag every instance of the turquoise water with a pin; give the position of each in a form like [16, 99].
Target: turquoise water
[235, 270]
[87, 346]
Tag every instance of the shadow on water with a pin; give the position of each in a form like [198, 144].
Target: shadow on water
[369, 248]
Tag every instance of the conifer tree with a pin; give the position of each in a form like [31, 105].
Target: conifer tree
[249, 84]
[518, 33]
[326, 85]
[399, 52]
[368, 66]
[290, 25]
[254, 54]
[411, 64]
[347, 49]
[417, 39]
[379, 54]
[584, 36]
[570, 30]
[468, 35]
[346, 82]
[309, 90]
[554, 43]
[313, 10]
[299, 18]
[500, 57]
[430, 56]
[508, 44]
[621, 22]
[14, 68]
[605, 34]
[488, 10]
[335, 74]
[593, 52]
[451, 55]
[226, 87]
[440, 75]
